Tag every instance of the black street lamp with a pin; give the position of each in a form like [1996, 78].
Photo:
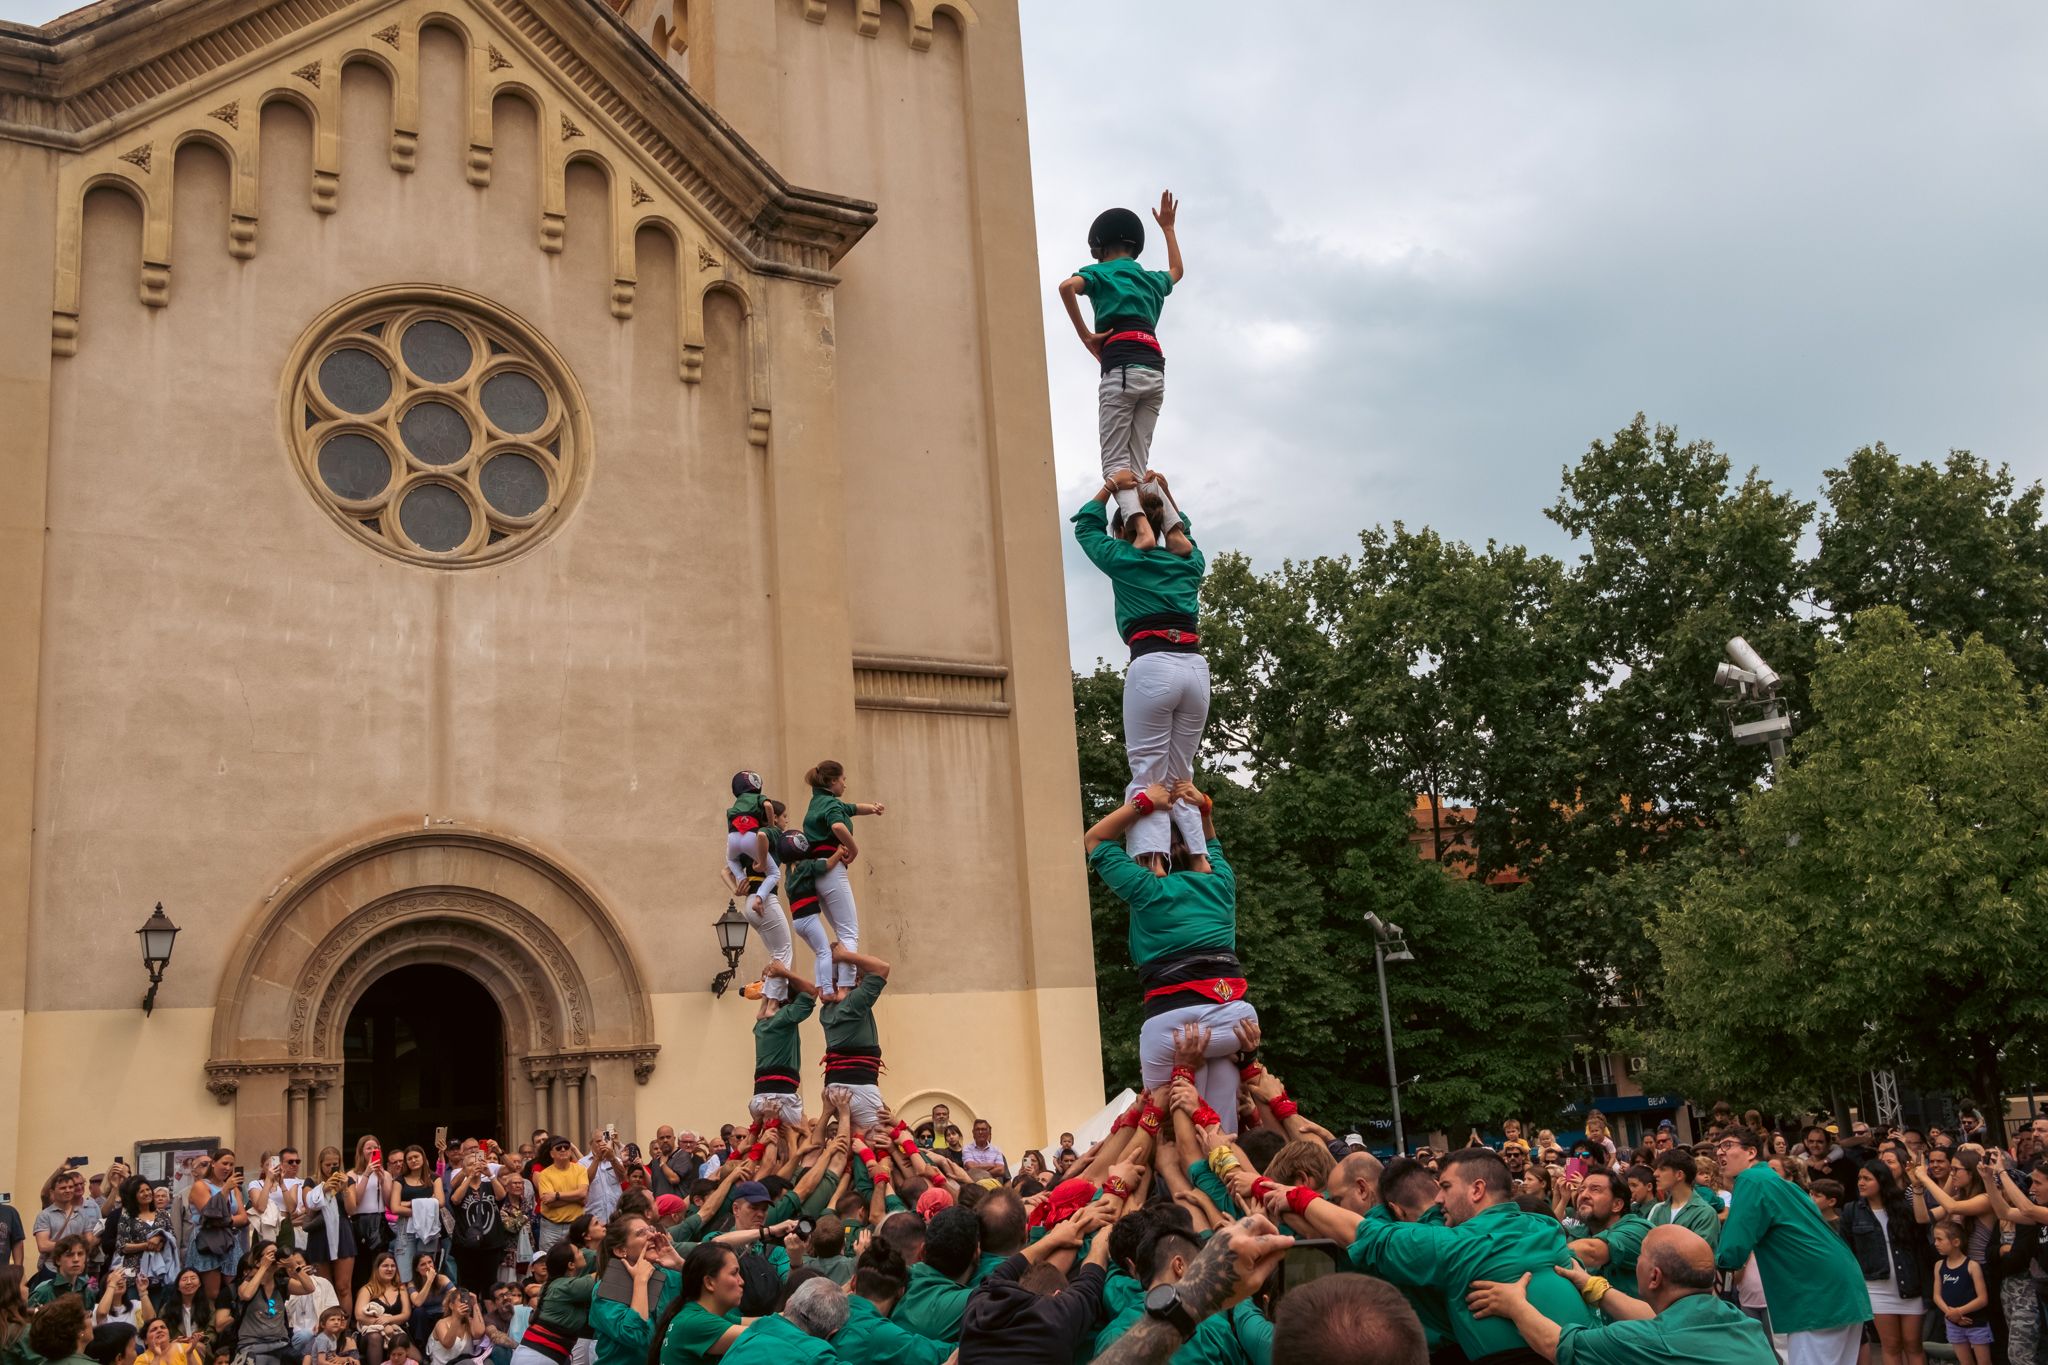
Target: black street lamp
[158, 937]
[732, 941]
[1389, 944]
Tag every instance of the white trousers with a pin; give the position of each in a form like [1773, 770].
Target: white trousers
[865, 1104]
[773, 927]
[1126, 411]
[769, 1105]
[748, 846]
[811, 929]
[835, 896]
[1834, 1346]
[1217, 1080]
[1166, 704]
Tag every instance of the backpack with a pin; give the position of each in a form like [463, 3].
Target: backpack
[764, 1284]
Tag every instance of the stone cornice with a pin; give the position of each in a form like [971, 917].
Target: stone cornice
[100, 72]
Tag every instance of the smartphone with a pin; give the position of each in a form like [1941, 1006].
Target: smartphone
[78, 1161]
[1310, 1258]
[1576, 1167]
[440, 1135]
[611, 1133]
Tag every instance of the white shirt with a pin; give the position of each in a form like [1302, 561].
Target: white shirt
[973, 1155]
[603, 1195]
[303, 1311]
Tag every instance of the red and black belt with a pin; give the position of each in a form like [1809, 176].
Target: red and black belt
[774, 1083]
[1145, 339]
[1172, 636]
[804, 905]
[1221, 989]
[863, 1067]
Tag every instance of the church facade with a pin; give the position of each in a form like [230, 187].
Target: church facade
[445, 439]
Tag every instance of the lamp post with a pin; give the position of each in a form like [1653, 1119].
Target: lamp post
[731, 928]
[1389, 945]
[158, 937]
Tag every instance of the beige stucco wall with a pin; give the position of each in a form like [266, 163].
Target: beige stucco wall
[208, 684]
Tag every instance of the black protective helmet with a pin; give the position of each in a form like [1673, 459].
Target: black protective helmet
[796, 843]
[744, 784]
[1117, 227]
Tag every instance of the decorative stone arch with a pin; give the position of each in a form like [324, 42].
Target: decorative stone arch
[578, 1032]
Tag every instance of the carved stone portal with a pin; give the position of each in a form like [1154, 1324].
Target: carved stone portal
[490, 907]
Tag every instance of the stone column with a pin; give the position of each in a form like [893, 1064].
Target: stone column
[296, 1133]
[558, 1102]
[316, 1125]
[577, 1117]
[542, 1117]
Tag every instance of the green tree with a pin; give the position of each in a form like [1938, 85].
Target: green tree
[1885, 901]
[1677, 559]
[1955, 547]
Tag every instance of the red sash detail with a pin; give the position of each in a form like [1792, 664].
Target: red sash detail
[1142, 338]
[1222, 989]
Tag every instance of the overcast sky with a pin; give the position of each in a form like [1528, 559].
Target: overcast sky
[1433, 250]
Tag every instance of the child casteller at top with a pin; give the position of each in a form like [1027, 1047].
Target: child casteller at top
[1127, 299]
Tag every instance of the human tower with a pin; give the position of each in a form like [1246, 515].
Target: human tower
[1158, 851]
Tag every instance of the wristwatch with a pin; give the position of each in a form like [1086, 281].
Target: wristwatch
[1163, 1303]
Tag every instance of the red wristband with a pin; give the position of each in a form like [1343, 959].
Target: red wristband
[1115, 1185]
[1205, 1117]
[1262, 1187]
[755, 1152]
[1149, 1120]
[1127, 1119]
[907, 1147]
[867, 1154]
[1184, 1071]
[1143, 802]
[1282, 1107]
[1300, 1197]
[1250, 1072]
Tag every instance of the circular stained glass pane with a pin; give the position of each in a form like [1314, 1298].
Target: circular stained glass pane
[514, 402]
[435, 433]
[436, 351]
[354, 380]
[354, 467]
[515, 485]
[435, 517]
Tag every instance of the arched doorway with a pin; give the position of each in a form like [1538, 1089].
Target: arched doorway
[575, 1035]
[424, 1047]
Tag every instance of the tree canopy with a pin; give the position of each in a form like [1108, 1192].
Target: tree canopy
[1619, 843]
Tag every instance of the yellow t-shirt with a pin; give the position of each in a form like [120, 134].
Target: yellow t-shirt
[569, 1186]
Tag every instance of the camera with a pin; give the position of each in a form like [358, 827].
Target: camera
[803, 1228]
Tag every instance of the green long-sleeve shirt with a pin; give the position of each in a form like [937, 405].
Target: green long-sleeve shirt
[933, 1304]
[825, 811]
[1701, 1213]
[693, 1332]
[1242, 1336]
[869, 1338]
[775, 1340]
[1811, 1279]
[1174, 913]
[776, 1044]
[623, 1336]
[1698, 1329]
[1499, 1242]
[1624, 1239]
[1153, 582]
[851, 1022]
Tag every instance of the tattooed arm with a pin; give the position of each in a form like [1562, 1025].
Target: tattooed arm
[1234, 1264]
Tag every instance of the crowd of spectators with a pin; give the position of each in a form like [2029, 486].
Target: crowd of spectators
[1169, 1238]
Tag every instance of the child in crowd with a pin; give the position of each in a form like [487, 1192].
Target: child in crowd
[1961, 1296]
[333, 1343]
[746, 839]
[1126, 299]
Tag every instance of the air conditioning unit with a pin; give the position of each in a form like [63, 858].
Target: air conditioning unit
[1638, 1065]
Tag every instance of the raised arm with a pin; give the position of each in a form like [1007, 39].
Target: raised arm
[1164, 215]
